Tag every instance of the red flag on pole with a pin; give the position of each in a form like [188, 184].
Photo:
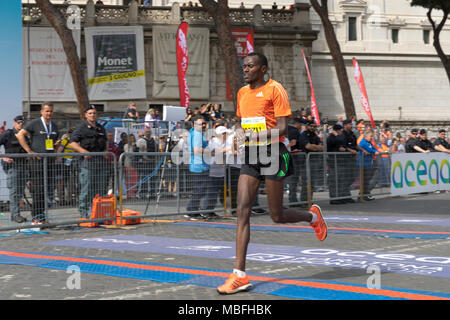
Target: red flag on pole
[362, 88]
[314, 110]
[182, 63]
[250, 43]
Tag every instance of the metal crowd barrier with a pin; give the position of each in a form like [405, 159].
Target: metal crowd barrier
[49, 186]
[157, 186]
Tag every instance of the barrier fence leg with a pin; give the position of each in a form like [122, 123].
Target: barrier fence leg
[361, 183]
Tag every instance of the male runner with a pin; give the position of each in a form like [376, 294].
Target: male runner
[264, 104]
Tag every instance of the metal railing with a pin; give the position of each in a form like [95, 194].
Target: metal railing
[156, 186]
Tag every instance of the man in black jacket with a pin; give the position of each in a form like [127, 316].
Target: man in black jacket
[90, 136]
[349, 160]
[422, 144]
[309, 141]
[15, 169]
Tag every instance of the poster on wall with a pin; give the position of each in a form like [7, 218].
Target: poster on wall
[45, 63]
[115, 63]
[419, 172]
[165, 78]
[11, 66]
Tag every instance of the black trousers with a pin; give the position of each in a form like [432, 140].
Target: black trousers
[39, 186]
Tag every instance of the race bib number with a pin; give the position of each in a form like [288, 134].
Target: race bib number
[251, 125]
[257, 124]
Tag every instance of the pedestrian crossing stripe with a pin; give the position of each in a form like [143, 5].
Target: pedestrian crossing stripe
[116, 77]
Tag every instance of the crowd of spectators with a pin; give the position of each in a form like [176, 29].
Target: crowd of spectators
[362, 146]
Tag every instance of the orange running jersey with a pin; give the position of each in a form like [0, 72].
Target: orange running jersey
[269, 101]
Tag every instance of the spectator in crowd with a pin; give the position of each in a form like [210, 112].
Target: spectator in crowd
[411, 141]
[44, 134]
[157, 115]
[147, 3]
[216, 113]
[198, 167]
[150, 118]
[422, 144]
[303, 115]
[67, 184]
[146, 164]
[349, 160]
[336, 166]
[90, 136]
[274, 6]
[129, 166]
[340, 120]
[293, 135]
[309, 141]
[99, 2]
[217, 149]
[365, 160]
[131, 112]
[441, 144]
[384, 162]
[123, 141]
[188, 115]
[114, 149]
[361, 126]
[15, 169]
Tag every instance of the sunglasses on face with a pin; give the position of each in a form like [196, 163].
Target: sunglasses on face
[19, 122]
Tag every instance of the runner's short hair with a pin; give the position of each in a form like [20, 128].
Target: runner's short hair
[262, 58]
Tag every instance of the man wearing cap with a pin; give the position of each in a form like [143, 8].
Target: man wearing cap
[217, 149]
[44, 134]
[309, 141]
[349, 160]
[422, 144]
[336, 173]
[411, 142]
[90, 136]
[441, 144]
[15, 169]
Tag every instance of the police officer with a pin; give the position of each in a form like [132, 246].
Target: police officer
[349, 160]
[90, 136]
[422, 144]
[15, 169]
[441, 144]
[309, 141]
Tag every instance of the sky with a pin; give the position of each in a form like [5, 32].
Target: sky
[10, 61]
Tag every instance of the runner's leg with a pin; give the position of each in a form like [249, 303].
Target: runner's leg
[247, 189]
[275, 200]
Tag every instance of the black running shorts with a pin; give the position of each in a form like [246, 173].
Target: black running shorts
[278, 168]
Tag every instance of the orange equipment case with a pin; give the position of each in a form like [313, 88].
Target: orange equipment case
[102, 208]
[128, 213]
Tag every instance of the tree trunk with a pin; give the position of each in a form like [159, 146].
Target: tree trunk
[220, 12]
[59, 23]
[436, 39]
[336, 54]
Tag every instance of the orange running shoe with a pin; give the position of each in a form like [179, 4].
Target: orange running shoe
[320, 226]
[234, 284]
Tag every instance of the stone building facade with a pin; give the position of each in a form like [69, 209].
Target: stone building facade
[280, 34]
